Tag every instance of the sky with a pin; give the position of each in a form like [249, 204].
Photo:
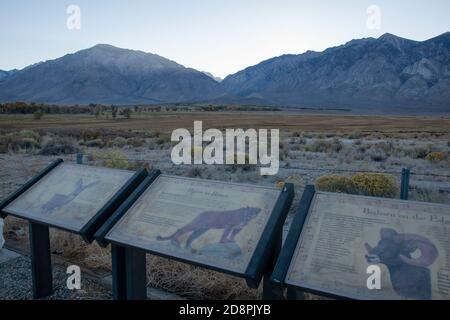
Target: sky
[221, 37]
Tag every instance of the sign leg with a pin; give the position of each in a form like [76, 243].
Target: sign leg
[136, 278]
[41, 264]
[269, 291]
[119, 286]
[294, 294]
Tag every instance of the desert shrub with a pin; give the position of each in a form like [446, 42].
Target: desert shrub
[386, 147]
[428, 195]
[139, 164]
[160, 141]
[375, 184]
[59, 145]
[377, 155]
[296, 180]
[325, 146]
[418, 152]
[96, 143]
[154, 134]
[22, 140]
[284, 154]
[136, 142]
[435, 156]
[335, 183]
[87, 135]
[37, 115]
[354, 135]
[119, 142]
[369, 184]
[111, 159]
[30, 134]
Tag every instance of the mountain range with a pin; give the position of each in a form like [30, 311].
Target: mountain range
[386, 73]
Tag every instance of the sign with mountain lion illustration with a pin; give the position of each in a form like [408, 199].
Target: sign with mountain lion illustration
[210, 222]
[345, 234]
[69, 196]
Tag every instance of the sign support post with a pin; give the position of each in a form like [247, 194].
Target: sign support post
[404, 188]
[269, 291]
[292, 238]
[41, 265]
[136, 278]
[119, 282]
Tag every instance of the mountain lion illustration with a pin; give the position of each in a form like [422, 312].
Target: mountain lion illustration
[232, 222]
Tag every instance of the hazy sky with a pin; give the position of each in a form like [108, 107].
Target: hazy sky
[221, 37]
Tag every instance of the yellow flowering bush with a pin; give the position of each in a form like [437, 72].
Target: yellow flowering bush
[111, 159]
[435, 156]
[370, 184]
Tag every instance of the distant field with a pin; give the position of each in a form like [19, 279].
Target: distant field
[282, 120]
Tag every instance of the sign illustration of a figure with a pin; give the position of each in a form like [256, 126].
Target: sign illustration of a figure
[60, 200]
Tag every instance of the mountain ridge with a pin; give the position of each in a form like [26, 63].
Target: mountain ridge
[365, 73]
[385, 72]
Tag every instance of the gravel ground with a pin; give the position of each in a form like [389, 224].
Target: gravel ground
[15, 283]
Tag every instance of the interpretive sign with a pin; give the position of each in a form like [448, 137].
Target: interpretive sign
[74, 198]
[213, 223]
[69, 196]
[343, 235]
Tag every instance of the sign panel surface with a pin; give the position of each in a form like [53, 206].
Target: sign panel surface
[69, 195]
[209, 222]
[345, 234]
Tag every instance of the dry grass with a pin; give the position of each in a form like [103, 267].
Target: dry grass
[353, 125]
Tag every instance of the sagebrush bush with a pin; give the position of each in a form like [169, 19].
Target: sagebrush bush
[118, 142]
[22, 140]
[325, 146]
[418, 152]
[30, 134]
[59, 145]
[377, 155]
[136, 142]
[87, 135]
[96, 143]
[369, 184]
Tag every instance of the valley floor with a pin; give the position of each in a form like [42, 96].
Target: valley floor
[311, 146]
